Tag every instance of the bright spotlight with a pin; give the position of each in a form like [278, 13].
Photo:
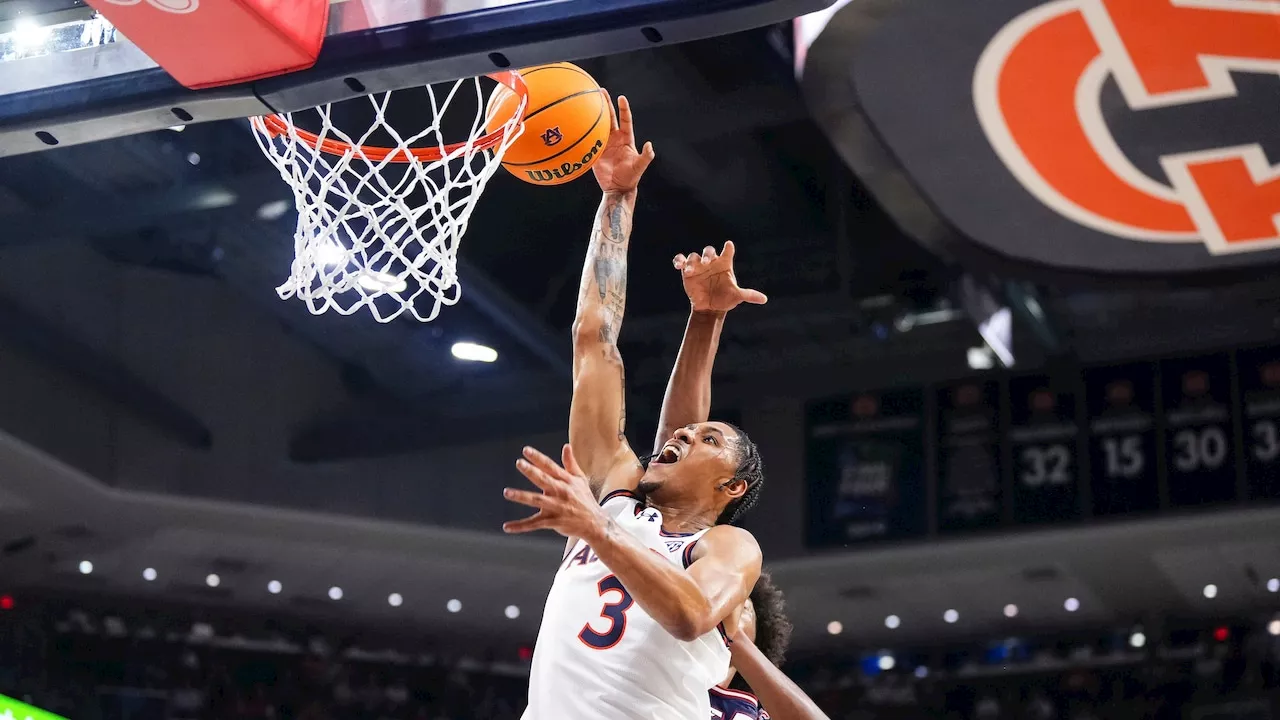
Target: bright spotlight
[1273, 627]
[329, 253]
[86, 567]
[473, 352]
[1211, 591]
[395, 600]
[951, 616]
[149, 574]
[885, 662]
[380, 282]
[1011, 610]
[274, 587]
[212, 580]
[193, 158]
[835, 627]
[892, 622]
[1273, 585]
[28, 35]
[1137, 639]
[335, 593]
[454, 605]
[922, 672]
[512, 612]
[1071, 605]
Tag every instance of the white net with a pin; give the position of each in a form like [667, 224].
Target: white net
[379, 227]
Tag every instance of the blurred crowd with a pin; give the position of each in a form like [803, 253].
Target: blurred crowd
[100, 669]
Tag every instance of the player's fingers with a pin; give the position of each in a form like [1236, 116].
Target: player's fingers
[524, 497]
[570, 462]
[624, 117]
[709, 253]
[613, 111]
[529, 524]
[541, 461]
[729, 250]
[647, 154]
[536, 476]
[678, 261]
[755, 297]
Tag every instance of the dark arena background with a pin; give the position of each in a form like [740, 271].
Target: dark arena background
[1017, 386]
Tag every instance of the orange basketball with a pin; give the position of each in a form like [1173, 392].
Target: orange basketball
[566, 124]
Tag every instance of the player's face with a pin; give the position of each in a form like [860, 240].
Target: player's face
[698, 457]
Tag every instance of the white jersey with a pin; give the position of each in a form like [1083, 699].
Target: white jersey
[600, 655]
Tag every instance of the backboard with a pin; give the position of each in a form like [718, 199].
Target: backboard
[67, 77]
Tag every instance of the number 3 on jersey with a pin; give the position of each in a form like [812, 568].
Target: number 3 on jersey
[615, 612]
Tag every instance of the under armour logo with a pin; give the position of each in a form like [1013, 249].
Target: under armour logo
[651, 516]
[674, 545]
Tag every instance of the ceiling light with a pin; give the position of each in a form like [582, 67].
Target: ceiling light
[395, 600]
[473, 352]
[1273, 627]
[86, 567]
[213, 580]
[193, 158]
[1137, 639]
[1273, 585]
[335, 593]
[885, 662]
[922, 672]
[149, 574]
[512, 612]
[28, 35]
[1211, 591]
[980, 358]
[892, 622]
[454, 605]
[1071, 604]
[1011, 610]
[274, 587]
[380, 282]
[272, 210]
[951, 616]
[835, 627]
[331, 253]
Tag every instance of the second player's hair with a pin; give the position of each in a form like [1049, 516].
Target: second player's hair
[773, 629]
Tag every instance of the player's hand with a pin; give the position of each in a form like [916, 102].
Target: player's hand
[620, 165]
[566, 503]
[710, 283]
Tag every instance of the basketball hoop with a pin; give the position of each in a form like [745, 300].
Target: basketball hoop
[379, 225]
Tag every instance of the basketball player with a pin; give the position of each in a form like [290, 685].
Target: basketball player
[634, 626]
[758, 648]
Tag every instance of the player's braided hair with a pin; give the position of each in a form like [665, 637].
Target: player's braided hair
[773, 629]
[750, 471]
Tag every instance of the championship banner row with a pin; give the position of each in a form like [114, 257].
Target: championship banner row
[1044, 448]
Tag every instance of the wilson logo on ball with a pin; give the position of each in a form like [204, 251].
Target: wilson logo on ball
[566, 169]
[1037, 89]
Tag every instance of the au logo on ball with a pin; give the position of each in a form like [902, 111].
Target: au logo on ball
[552, 136]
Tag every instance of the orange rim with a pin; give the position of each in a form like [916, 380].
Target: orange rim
[277, 126]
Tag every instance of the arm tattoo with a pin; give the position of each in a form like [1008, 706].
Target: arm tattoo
[607, 259]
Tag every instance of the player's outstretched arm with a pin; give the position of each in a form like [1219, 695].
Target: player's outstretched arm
[713, 291]
[597, 415]
[686, 603]
[782, 698]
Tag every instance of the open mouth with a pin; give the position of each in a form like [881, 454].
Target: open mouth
[670, 453]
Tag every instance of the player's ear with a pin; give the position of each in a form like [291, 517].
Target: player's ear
[733, 487]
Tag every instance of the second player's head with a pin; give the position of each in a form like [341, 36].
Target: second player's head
[763, 618]
[712, 465]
